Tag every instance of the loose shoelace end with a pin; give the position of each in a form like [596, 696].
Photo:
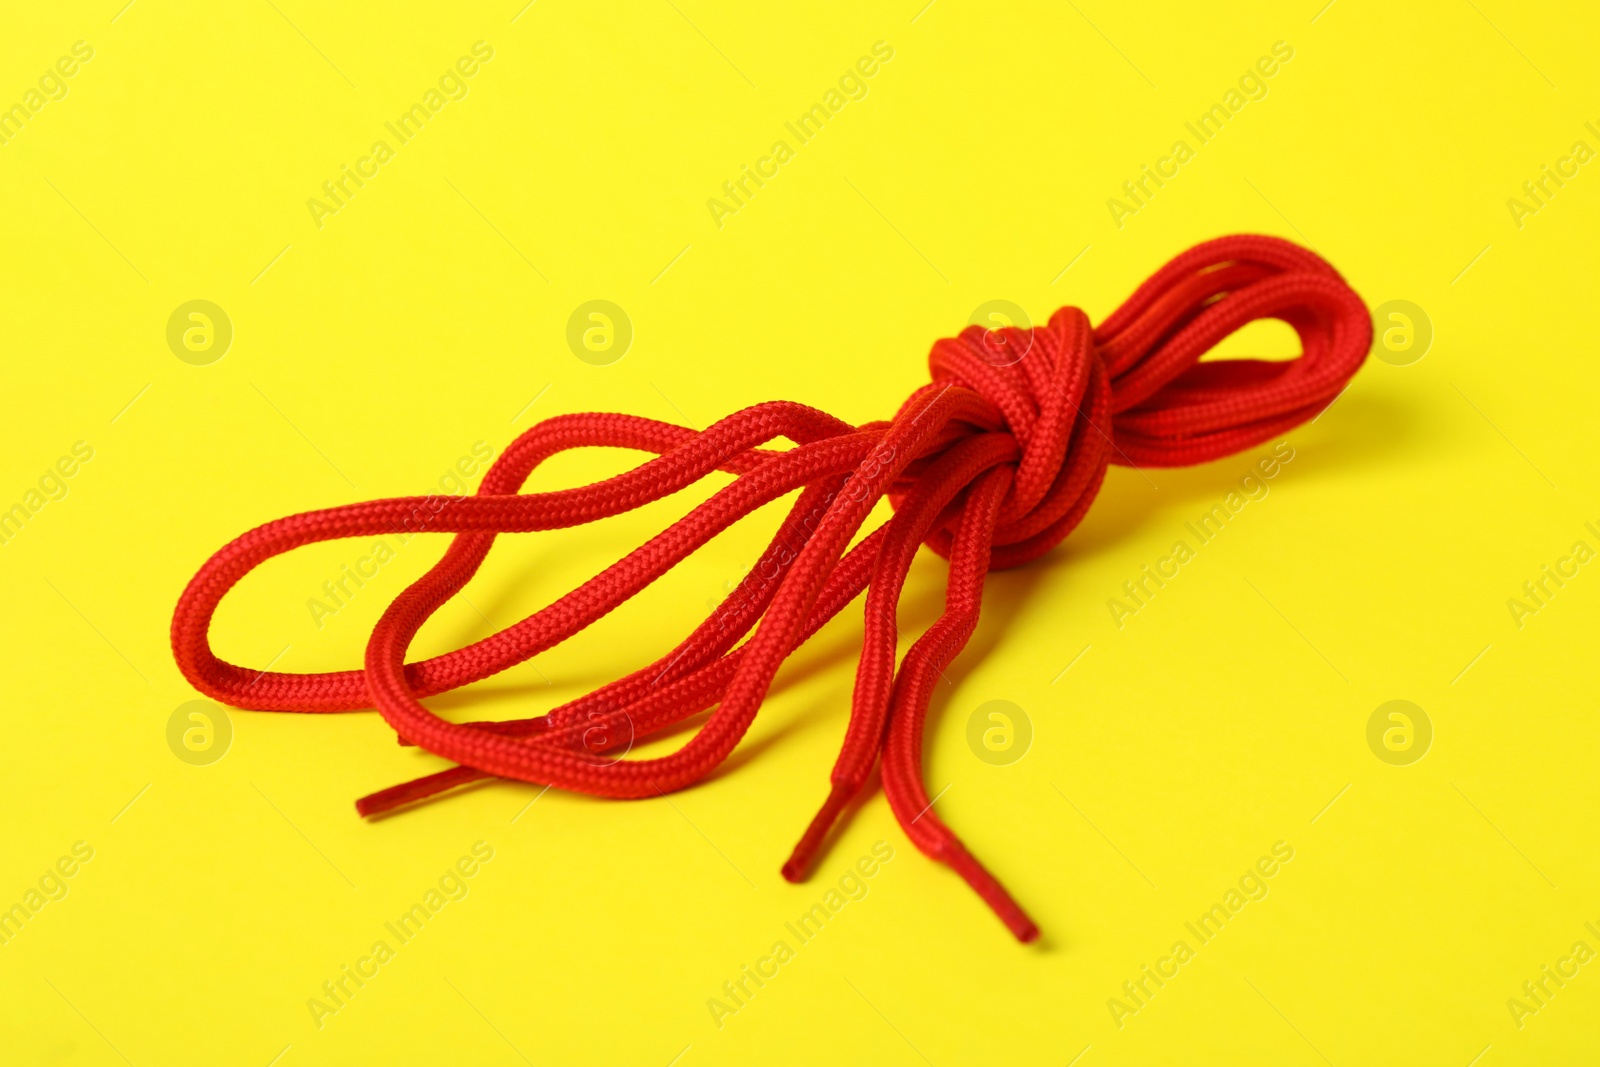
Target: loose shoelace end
[989, 888]
[799, 863]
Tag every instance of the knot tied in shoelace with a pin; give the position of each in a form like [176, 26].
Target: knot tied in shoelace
[992, 463]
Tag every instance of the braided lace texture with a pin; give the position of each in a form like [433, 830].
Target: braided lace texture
[991, 464]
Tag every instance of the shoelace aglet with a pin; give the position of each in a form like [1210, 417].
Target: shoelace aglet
[989, 888]
[385, 800]
[799, 863]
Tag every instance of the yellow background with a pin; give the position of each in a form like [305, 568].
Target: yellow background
[369, 354]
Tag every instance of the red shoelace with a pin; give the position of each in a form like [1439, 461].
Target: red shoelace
[991, 464]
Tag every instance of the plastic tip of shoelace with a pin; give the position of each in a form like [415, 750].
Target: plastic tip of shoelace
[386, 800]
[1027, 931]
[374, 804]
[799, 864]
[992, 892]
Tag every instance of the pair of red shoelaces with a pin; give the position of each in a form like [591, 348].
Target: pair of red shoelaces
[991, 464]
